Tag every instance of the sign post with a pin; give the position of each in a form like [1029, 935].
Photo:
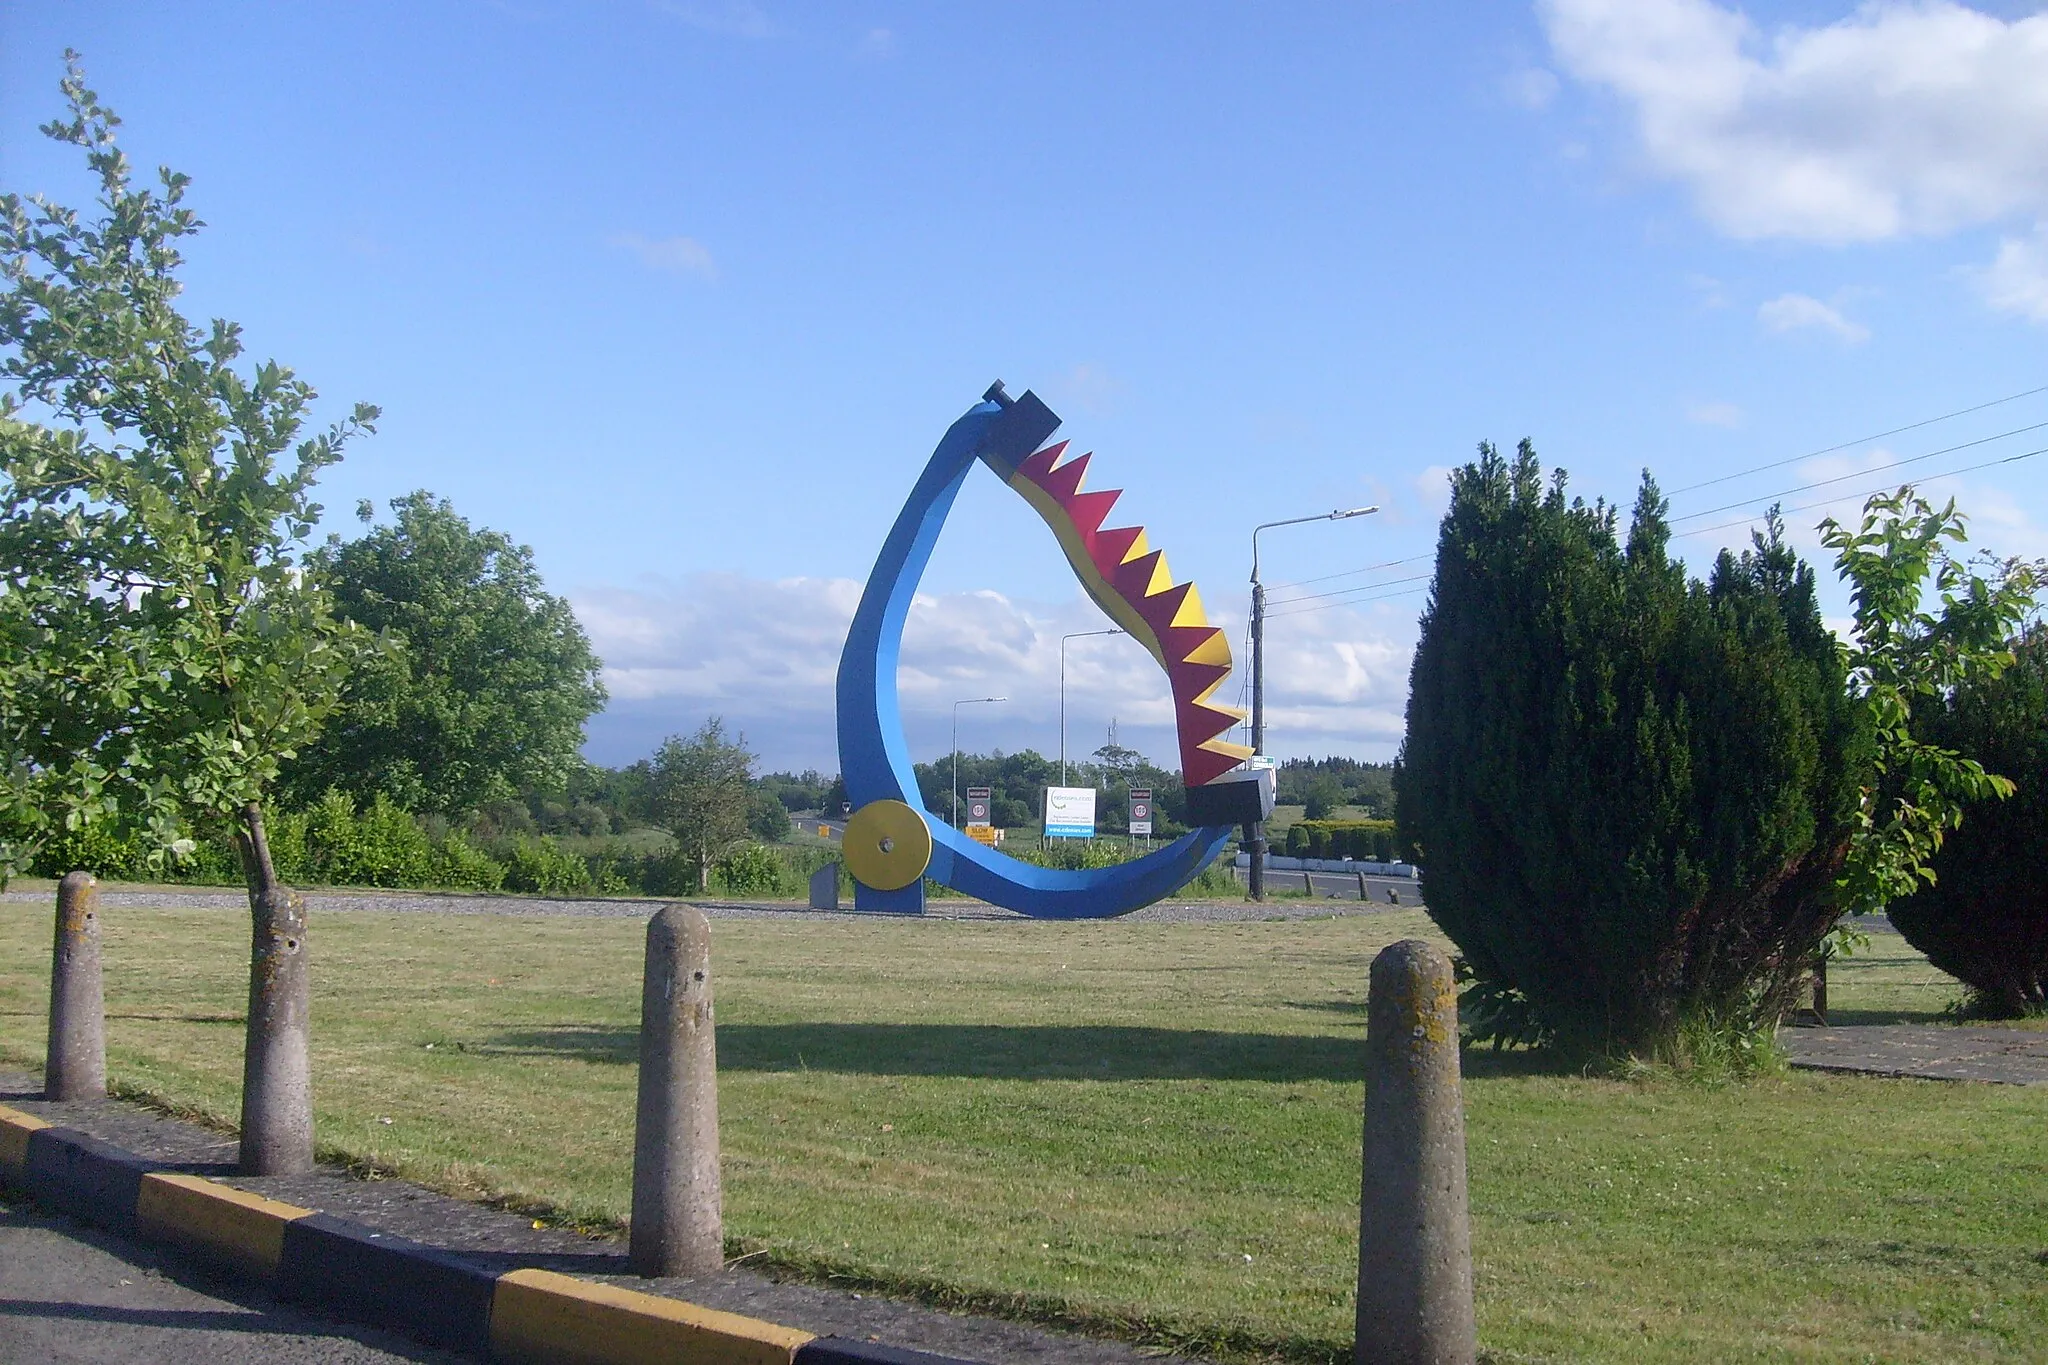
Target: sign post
[980, 827]
[1141, 812]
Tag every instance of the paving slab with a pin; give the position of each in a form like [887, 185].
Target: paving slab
[1938, 1052]
[499, 1241]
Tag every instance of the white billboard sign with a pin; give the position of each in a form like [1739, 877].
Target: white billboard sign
[1070, 812]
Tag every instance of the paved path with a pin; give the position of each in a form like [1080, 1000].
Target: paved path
[69, 1293]
[1941, 1052]
[503, 1241]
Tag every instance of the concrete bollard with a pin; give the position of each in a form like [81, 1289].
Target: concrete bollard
[75, 1067]
[1414, 1238]
[677, 1224]
[277, 1068]
[1363, 893]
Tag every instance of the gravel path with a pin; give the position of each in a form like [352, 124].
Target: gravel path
[451, 903]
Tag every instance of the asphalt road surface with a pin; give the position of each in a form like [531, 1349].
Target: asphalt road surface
[73, 1293]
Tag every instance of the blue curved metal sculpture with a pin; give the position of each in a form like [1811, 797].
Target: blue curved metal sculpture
[874, 760]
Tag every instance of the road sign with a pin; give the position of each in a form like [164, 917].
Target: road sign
[985, 834]
[1141, 810]
[1070, 812]
[979, 800]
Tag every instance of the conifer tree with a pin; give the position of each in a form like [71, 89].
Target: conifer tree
[1631, 793]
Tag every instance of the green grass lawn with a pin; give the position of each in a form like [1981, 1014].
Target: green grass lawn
[1145, 1128]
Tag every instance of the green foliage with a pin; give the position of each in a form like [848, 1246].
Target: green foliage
[488, 681]
[698, 791]
[1630, 793]
[767, 817]
[751, 870]
[1364, 840]
[543, 868]
[1908, 659]
[1323, 784]
[161, 652]
[1017, 784]
[1981, 912]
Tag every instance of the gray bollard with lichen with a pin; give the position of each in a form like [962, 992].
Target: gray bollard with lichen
[75, 1066]
[1414, 1237]
[677, 1226]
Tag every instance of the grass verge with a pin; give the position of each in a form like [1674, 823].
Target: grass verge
[1150, 1130]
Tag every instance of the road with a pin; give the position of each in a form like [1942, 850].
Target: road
[1341, 886]
[72, 1293]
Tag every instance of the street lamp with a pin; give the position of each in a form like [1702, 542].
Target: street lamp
[1256, 831]
[964, 701]
[1079, 634]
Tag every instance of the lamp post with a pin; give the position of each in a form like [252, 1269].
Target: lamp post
[1079, 634]
[964, 701]
[1255, 832]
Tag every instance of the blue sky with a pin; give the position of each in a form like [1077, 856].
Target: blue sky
[683, 294]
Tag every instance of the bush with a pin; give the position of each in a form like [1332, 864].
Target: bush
[543, 868]
[1630, 793]
[750, 870]
[1984, 918]
[1365, 840]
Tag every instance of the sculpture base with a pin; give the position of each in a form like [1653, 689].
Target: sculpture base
[908, 900]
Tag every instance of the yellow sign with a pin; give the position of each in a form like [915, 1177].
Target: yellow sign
[985, 834]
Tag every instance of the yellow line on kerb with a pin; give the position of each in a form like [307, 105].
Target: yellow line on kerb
[15, 1127]
[244, 1229]
[541, 1318]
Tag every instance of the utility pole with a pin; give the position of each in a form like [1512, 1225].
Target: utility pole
[964, 701]
[1255, 830]
[1077, 635]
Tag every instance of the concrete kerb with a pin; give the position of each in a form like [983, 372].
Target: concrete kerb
[356, 1272]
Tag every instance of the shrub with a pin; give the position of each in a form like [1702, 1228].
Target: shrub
[459, 863]
[1630, 793]
[1984, 917]
[541, 867]
[750, 870]
[1364, 840]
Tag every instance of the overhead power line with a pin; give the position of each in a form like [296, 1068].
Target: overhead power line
[1879, 436]
[1864, 493]
[1861, 473]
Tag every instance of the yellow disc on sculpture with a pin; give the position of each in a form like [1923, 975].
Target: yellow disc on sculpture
[888, 845]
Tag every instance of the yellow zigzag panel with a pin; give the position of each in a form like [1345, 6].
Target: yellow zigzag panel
[1130, 581]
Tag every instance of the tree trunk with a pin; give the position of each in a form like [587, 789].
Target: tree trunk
[277, 1082]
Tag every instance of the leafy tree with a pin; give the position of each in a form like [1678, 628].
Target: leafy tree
[1632, 793]
[767, 817]
[489, 682]
[1981, 910]
[1906, 663]
[699, 792]
[165, 653]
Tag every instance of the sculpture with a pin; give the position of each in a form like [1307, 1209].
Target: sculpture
[891, 843]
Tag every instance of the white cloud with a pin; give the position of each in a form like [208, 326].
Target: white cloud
[765, 655]
[1087, 388]
[1795, 312]
[1532, 87]
[733, 19]
[672, 255]
[1714, 414]
[2017, 281]
[1433, 489]
[1898, 119]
